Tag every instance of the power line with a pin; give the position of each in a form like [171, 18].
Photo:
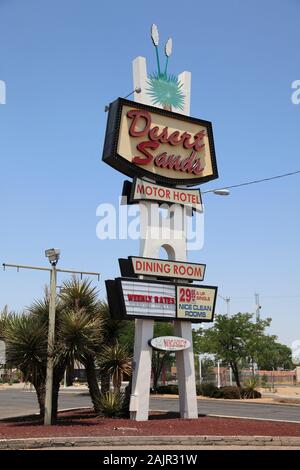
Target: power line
[266, 297]
[252, 182]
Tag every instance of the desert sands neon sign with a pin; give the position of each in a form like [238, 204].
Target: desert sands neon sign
[166, 147]
[141, 127]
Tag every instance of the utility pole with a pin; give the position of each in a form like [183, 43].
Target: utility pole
[258, 307]
[53, 255]
[227, 300]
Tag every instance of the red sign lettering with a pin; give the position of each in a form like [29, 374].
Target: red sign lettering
[141, 127]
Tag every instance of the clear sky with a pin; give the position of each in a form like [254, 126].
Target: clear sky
[63, 60]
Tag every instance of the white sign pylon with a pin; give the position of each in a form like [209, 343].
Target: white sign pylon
[176, 248]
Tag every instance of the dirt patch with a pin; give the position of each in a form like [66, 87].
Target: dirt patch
[85, 423]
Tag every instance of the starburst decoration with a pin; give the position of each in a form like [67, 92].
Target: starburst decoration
[165, 89]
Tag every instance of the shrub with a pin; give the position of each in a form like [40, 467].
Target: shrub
[249, 389]
[167, 389]
[249, 393]
[229, 392]
[264, 381]
[208, 390]
[111, 404]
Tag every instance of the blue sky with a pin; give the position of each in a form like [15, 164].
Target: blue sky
[63, 60]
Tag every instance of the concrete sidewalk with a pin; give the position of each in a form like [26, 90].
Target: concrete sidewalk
[150, 441]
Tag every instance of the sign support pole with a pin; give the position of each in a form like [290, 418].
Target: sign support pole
[176, 248]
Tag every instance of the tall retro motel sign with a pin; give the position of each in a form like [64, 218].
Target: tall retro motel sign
[154, 141]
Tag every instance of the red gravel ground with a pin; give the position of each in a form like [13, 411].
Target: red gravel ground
[85, 423]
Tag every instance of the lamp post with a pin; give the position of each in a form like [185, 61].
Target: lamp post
[53, 256]
[219, 378]
[227, 300]
[200, 370]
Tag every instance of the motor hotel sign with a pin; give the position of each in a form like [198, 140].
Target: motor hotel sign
[137, 298]
[164, 146]
[144, 190]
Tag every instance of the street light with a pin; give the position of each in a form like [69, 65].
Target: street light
[221, 192]
[53, 255]
[218, 192]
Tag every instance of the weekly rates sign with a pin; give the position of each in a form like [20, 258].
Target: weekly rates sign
[161, 301]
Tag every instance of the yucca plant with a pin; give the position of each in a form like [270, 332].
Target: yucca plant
[115, 361]
[83, 327]
[4, 316]
[26, 348]
[111, 404]
[39, 312]
[78, 296]
[249, 389]
[78, 337]
[111, 330]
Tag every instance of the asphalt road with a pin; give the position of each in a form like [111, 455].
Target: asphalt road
[21, 402]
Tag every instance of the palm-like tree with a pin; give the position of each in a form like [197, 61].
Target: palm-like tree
[111, 331]
[26, 348]
[81, 329]
[115, 361]
[39, 312]
[79, 294]
[78, 338]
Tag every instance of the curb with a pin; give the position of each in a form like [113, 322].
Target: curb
[137, 441]
[232, 400]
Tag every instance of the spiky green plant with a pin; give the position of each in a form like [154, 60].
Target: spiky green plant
[78, 335]
[116, 361]
[26, 348]
[76, 294]
[83, 328]
[111, 404]
[250, 385]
